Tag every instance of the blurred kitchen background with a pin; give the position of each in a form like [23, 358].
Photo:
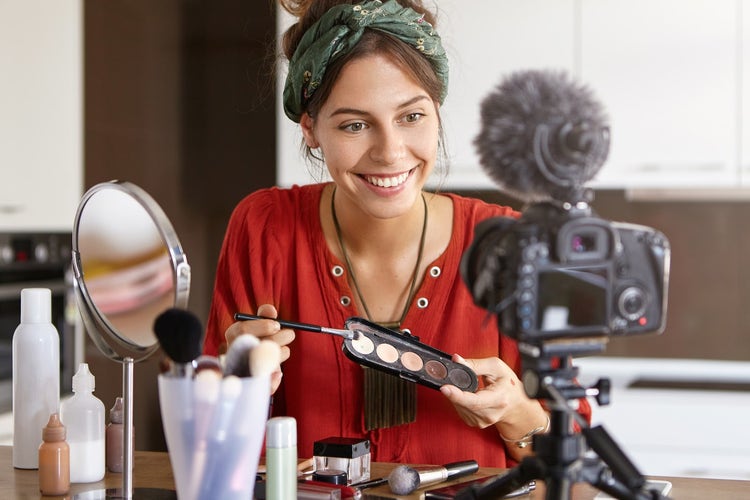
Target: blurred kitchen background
[178, 97]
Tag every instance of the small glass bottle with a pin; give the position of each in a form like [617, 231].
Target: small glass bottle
[114, 437]
[54, 459]
[83, 415]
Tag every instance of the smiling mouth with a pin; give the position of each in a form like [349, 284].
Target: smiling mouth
[387, 182]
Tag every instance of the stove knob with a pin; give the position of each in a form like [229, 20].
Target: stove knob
[41, 252]
[6, 254]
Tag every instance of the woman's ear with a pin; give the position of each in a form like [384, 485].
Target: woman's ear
[307, 124]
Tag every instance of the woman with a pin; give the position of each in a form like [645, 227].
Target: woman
[365, 84]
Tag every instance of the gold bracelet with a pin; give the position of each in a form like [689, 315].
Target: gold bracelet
[527, 438]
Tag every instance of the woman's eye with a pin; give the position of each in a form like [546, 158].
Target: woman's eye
[354, 127]
[413, 117]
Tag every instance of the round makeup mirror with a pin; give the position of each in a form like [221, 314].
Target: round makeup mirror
[128, 268]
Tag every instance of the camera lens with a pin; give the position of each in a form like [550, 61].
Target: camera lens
[632, 303]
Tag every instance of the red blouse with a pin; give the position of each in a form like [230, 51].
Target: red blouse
[274, 252]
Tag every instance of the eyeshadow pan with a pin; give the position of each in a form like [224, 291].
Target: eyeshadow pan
[363, 344]
[459, 378]
[387, 353]
[411, 361]
[436, 369]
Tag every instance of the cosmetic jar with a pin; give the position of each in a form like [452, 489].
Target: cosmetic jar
[350, 455]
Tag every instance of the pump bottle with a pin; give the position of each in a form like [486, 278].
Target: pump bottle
[54, 459]
[36, 375]
[83, 416]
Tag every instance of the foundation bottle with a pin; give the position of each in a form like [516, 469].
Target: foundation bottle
[114, 437]
[54, 459]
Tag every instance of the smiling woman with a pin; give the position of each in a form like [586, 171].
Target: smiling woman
[366, 82]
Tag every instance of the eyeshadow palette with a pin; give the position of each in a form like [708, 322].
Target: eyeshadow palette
[403, 355]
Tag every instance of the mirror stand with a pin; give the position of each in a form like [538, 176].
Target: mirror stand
[128, 267]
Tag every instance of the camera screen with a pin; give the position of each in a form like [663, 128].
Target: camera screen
[573, 299]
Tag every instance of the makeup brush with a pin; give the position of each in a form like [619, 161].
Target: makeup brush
[179, 333]
[265, 358]
[403, 480]
[237, 358]
[347, 334]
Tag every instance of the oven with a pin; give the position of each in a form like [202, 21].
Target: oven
[37, 260]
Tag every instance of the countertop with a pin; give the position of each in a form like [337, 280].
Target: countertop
[152, 470]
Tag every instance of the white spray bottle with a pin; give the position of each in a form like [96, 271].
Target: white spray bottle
[36, 375]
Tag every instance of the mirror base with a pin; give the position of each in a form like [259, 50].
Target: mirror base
[138, 494]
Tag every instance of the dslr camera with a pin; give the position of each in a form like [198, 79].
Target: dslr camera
[558, 270]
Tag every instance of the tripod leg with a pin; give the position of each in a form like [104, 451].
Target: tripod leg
[515, 478]
[622, 468]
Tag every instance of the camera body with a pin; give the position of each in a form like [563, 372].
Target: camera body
[560, 271]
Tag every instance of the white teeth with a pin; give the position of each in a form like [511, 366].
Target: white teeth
[387, 181]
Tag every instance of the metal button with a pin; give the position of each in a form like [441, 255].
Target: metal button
[434, 271]
[337, 271]
[406, 331]
[345, 301]
[422, 302]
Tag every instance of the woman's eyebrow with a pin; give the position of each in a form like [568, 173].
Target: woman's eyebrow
[359, 112]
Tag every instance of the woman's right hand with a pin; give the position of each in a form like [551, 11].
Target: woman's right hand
[264, 329]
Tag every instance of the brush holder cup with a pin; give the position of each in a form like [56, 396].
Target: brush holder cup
[214, 439]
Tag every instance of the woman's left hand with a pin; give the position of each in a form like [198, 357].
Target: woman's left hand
[502, 402]
[502, 399]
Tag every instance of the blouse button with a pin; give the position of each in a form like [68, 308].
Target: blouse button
[434, 271]
[337, 271]
[345, 301]
[422, 302]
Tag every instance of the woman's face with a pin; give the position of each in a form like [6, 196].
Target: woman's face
[378, 132]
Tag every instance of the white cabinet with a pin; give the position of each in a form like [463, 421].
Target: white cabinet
[671, 74]
[41, 113]
[667, 72]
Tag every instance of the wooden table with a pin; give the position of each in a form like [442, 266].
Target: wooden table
[152, 470]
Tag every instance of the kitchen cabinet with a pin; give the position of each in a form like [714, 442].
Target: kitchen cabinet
[41, 108]
[672, 75]
[667, 72]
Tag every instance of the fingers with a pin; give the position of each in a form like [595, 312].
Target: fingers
[264, 329]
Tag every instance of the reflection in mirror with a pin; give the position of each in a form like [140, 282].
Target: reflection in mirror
[129, 267]
[126, 265]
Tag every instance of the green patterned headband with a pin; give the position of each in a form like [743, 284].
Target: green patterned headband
[339, 30]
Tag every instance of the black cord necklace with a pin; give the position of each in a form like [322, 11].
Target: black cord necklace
[388, 400]
[350, 269]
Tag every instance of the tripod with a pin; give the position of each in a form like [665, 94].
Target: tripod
[560, 458]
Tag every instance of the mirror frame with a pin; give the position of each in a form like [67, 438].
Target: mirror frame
[110, 342]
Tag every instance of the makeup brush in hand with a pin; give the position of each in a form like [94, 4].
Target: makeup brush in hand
[179, 333]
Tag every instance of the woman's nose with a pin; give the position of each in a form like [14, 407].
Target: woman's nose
[388, 147]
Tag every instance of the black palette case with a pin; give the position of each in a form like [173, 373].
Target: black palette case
[405, 356]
